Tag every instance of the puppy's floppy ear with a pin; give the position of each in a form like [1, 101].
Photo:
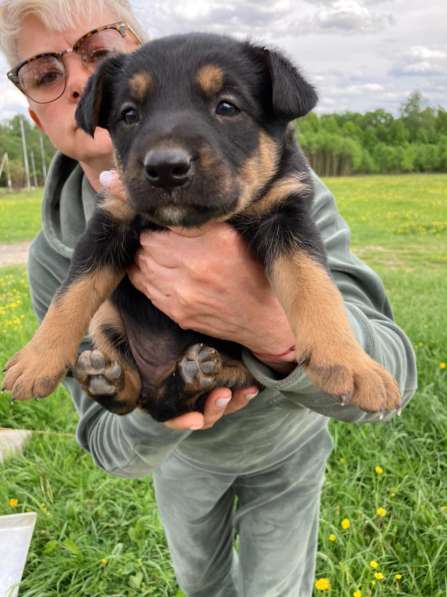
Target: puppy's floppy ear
[291, 95]
[96, 103]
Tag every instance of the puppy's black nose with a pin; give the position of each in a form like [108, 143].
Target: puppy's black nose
[168, 167]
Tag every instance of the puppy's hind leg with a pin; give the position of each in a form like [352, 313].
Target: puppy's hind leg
[107, 373]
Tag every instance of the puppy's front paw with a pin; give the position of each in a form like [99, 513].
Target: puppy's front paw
[198, 368]
[33, 372]
[357, 379]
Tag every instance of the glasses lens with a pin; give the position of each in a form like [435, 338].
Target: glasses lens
[43, 79]
[95, 47]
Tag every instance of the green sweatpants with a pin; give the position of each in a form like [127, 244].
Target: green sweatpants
[274, 512]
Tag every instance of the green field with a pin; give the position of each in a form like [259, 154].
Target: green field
[19, 215]
[100, 536]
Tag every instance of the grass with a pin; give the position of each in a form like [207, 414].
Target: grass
[100, 536]
[19, 215]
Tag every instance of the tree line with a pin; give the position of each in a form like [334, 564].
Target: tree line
[39, 152]
[377, 142]
[338, 144]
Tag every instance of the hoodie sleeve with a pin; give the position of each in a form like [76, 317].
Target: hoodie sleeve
[369, 313]
[127, 446]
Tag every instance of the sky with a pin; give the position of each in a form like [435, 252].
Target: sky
[360, 54]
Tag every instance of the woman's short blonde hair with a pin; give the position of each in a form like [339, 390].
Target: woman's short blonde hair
[56, 15]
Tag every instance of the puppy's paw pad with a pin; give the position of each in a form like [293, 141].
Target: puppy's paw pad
[97, 374]
[198, 367]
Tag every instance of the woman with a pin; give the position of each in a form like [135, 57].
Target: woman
[271, 452]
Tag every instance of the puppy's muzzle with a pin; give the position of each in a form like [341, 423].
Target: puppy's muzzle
[168, 167]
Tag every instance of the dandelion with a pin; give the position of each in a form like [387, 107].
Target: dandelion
[397, 577]
[357, 594]
[378, 576]
[13, 502]
[345, 523]
[323, 584]
[379, 469]
[381, 512]
[332, 537]
[374, 564]
[104, 562]
[442, 365]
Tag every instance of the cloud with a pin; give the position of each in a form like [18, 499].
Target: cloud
[268, 20]
[12, 103]
[349, 16]
[421, 61]
[241, 18]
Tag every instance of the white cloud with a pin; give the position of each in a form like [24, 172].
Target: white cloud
[419, 52]
[349, 16]
[12, 100]
[420, 61]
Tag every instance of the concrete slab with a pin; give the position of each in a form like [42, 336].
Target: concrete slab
[12, 442]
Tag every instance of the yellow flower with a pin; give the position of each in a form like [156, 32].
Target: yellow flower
[397, 576]
[332, 537]
[323, 584]
[442, 365]
[381, 512]
[345, 523]
[13, 502]
[379, 469]
[357, 594]
[104, 562]
[378, 575]
[374, 564]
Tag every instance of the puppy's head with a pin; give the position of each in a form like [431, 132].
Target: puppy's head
[197, 122]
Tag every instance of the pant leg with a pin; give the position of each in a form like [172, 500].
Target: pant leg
[277, 518]
[196, 510]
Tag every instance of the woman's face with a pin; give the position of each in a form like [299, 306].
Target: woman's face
[56, 119]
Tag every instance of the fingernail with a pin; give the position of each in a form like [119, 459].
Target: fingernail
[196, 427]
[106, 177]
[252, 395]
[222, 402]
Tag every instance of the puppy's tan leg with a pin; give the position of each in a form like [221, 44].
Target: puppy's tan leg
[36, 370]
[105, 373]
[325, 343]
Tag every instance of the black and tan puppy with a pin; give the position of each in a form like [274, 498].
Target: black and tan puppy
[199, 124]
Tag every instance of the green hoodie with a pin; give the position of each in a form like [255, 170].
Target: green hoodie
[288, 414]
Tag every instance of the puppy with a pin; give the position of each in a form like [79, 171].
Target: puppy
[201, 130]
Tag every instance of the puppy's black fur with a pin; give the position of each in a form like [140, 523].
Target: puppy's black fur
[175, 111]
[200, 128]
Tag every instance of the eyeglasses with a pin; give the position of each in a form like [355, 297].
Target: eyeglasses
[43, 78]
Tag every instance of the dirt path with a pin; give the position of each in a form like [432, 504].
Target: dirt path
[14, 254]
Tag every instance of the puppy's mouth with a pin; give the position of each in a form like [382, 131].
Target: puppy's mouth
[188, 206]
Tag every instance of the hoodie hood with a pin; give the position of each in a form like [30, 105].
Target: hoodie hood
[68, 204]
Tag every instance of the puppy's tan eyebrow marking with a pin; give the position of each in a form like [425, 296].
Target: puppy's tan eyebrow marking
[210, 78]
[140, 85]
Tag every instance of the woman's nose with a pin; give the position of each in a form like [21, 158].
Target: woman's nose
[77, 77]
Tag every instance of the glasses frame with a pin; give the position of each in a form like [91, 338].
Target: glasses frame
[13, 74]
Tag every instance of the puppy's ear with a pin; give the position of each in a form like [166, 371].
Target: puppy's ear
[95, 105]
[291, 95]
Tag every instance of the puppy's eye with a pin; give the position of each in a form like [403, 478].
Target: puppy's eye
[226, 108]
[130, 115]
